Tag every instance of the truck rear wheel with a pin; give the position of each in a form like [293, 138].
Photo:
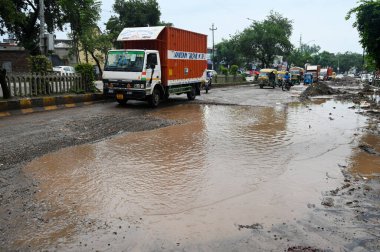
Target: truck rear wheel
[191, 94]
[155, 98]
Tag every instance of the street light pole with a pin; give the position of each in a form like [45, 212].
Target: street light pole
[42, 26]
[213, 45]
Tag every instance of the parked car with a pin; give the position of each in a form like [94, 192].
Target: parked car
[339, 77]
[64, 69]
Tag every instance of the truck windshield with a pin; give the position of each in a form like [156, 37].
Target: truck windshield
[125, 61]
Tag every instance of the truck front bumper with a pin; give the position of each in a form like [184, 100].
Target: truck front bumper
[128, 94]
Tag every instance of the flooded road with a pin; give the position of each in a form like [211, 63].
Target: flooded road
[197, 185]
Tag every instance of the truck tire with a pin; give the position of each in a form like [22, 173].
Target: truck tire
[191, 94]
[154, 99]
[166, 95]
[261, 86]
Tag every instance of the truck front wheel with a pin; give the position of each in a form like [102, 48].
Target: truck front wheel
[155, 98]
[191, 94]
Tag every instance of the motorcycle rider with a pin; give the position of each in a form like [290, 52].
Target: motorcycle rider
[272, 78]
[287, 78]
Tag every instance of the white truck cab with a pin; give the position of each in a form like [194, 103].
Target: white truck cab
[135, 70]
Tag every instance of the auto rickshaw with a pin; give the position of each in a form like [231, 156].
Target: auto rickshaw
[308, 78]
[280, 77]
[264, 78]
[297, 75]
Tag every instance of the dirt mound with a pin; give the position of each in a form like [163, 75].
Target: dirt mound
[347, 81]
[318, 89]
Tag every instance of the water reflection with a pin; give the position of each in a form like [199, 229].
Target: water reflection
[222, 165]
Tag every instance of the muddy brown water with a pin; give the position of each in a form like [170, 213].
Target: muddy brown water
[191, 186]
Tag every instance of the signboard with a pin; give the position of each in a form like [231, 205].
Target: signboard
[140, 33]
[186, 55]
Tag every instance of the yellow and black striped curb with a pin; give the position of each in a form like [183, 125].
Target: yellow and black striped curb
[29, 105]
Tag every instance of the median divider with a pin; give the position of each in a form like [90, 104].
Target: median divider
[35, 104]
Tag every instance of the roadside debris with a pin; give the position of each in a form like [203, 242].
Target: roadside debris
[253, 226]
[318, 89]
[329, 202]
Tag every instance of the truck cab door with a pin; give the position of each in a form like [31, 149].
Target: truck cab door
[153, 68]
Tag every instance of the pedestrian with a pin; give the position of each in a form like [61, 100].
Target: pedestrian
[3, 83]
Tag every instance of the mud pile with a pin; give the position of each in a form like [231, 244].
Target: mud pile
[347, 81]
[318, 89]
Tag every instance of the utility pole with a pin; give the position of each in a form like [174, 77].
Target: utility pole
[213, 45]
[300, 41]
[42, 27]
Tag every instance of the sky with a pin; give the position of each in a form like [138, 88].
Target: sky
[320, 22]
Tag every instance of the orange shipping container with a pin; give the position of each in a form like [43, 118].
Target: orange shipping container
[182, 53]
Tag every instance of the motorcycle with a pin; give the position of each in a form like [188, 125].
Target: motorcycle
[207, 85]
[286, 85]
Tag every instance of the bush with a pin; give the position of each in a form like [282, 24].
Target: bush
[39, 64]
[224, 70]
[234, 69]
[87, 72]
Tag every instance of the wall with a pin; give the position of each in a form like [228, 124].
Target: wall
[16, 60]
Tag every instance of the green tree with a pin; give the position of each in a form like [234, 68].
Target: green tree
[133, 13]
[324, 59]
[266, 39]
[20, 18]
[82, 16]
[302, 55]
[227, 52]
[368, 23]
[97, 45]
[348, 60]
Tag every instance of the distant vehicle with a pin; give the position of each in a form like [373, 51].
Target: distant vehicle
[297, 74]
[249, 78]
[339, 77]
[211, 73]
[315, 70]
[308, 78]
[280, 77]
[264, 78]
[64, 69]
[351, 75]
[326, 74]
